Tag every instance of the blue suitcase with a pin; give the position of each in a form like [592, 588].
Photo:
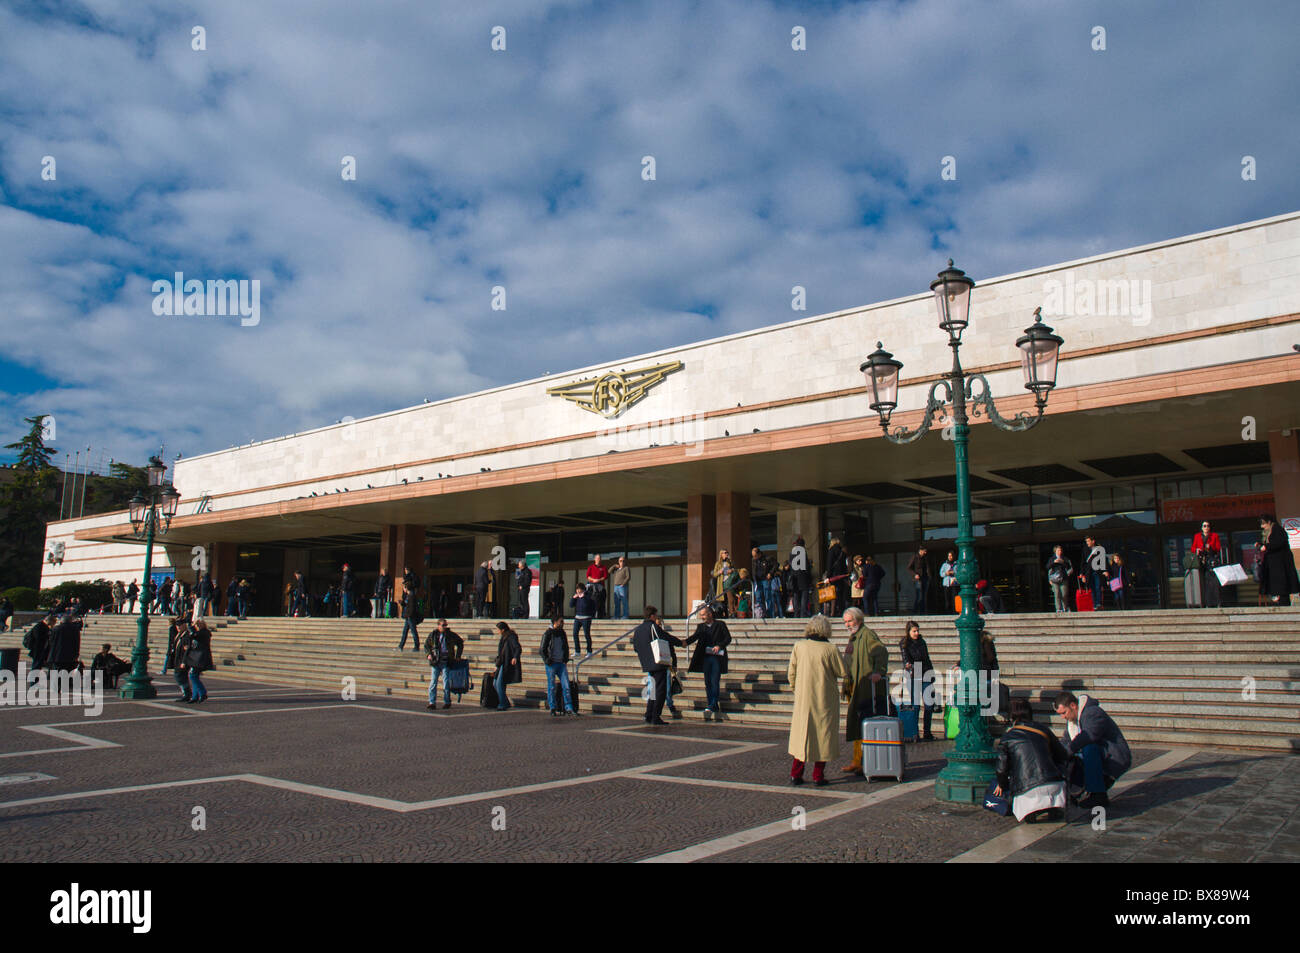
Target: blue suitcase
[910, 716]
[458, 678]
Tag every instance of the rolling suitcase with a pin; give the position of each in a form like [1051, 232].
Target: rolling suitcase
[573, 693]
[1083, 600]
[458, 678]
[910, 716]
[488, 696]
[882, 748]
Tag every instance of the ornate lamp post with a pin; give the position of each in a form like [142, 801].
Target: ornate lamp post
[149, 516]
[970, 764]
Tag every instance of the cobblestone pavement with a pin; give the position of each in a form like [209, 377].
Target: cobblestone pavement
[260, 773]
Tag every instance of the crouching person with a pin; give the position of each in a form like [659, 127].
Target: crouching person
[112, 666]
[1031, 767]
[1098, 749]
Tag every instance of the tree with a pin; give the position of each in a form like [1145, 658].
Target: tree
[28, 503]
[114, 491]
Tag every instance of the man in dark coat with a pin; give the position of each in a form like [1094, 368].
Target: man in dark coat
[523, 586]
[919, 568]
[412, 619]
[110, 664]
[482, 582]
[710, 657]
[383, 595]
[299, 594]
[1092, 567]
[347, 592]
[837, 568]
[65, 644]
[645, 633]
[132, 593]
[37, 641]
[800, 577]
[1093, 735]
[872, 576]
[232, 597]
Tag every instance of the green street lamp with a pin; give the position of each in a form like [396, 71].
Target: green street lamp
[970, 763]
[150, 515]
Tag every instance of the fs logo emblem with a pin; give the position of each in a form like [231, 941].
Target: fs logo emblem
[611, 394]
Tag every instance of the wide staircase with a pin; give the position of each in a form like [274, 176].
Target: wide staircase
[1206, 677]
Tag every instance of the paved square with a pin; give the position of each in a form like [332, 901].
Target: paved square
[260, 773]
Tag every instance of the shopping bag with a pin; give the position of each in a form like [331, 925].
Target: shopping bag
[951, 721]
[648, 688]
[1230, 575]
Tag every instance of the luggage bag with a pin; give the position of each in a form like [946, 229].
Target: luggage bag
[882, 748]
[458, 677]
[910, 717]
[1083, 600]
[487, 697]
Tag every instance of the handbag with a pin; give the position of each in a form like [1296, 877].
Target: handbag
[660, 650]
[996, 803]
[1116, 584]
[826, 592]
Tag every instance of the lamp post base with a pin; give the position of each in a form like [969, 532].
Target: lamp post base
[966, 778]
[137, 689]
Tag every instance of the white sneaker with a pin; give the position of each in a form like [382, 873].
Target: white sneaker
[708, 714]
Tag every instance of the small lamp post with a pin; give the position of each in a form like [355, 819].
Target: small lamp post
[150, 515]
[970, 763]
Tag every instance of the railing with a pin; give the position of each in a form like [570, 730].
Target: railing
[613, 642]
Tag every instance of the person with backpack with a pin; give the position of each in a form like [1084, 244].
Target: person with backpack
[443, 648]
[1031, 767]
[508, 670]
[411, 615]
[555, 655]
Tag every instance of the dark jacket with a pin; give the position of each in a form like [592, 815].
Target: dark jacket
[555, 647]
[411, 606]
[1277, 575]
[1062, 564]
[583, 606]
[65, 645]
[917, 652]
[1029, 755]
[481, 579]
[707, 636]
[872, 575]
[1085, 563]
[383, 586]
[109, 663]
[644, 634]
[132, 591]
[837, 562]
[37, 643]
[232, 590]
[197, 653]
[918, 566]
[1097, 727]
[508, 652]
[524, 581]
[347, 584]
[453, 647]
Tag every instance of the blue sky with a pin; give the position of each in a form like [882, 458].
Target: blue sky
[523, 168]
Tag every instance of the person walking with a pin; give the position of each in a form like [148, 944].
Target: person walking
[177, 645]
[508, 670]
[1059, 572]
[1117, 580]
[132, 593]
[584, 609]
[814, 674]
[299, 596]
[919, 568]
[620, 577]
[244, 595]
[867, 683]
[411, 620]
[711, 639]
[197, 660]
[647, 632]
[1030, 767]
[555, 655]
[232, 597]
[443, 648]
[1277, 574]
[920, 673]
[1092, 568]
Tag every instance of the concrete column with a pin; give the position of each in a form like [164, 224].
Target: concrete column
[388, 552]
[408, 543]
[701, 545]
[222, 557]
[804, 521]
[1284, 452]
[733, 528]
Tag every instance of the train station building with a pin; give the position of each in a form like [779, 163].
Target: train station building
[1177, 400]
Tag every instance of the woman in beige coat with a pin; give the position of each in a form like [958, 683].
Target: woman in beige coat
[815, 672]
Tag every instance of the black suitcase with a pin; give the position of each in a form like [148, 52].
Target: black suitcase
[487, 698]
[573, 693]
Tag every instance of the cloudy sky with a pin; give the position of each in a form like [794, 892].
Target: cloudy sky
[523, 168]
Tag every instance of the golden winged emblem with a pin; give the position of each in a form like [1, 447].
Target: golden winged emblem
[610, 394]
